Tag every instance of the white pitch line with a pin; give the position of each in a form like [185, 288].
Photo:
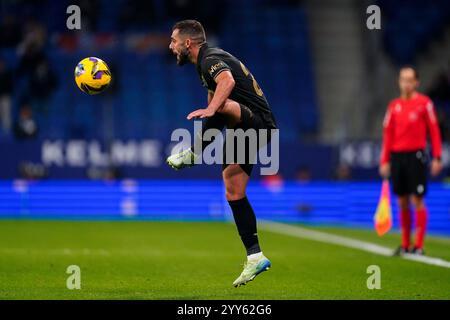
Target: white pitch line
[300, 232]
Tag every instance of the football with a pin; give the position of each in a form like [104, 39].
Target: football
[92, 75]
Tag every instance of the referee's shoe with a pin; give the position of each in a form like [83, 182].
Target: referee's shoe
[400, 251]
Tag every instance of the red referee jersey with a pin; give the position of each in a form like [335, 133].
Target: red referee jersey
[406, 125]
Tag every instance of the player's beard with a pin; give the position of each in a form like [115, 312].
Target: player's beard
[183, 57]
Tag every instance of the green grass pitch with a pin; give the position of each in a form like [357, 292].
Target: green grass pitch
[184, 260]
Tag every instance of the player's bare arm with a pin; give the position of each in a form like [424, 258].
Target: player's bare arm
[210, 96]
[225, 84]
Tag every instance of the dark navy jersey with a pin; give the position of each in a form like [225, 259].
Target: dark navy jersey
[212, 61]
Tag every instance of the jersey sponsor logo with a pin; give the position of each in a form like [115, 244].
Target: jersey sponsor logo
[216, 67]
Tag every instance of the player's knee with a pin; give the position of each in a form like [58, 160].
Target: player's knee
[233, 194]
[418, 202]
[403, 203]
[229, 107]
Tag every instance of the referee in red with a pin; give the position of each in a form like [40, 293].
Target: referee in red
[408, 121]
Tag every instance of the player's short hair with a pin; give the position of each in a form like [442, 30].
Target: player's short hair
[413, 68]
[191, 28]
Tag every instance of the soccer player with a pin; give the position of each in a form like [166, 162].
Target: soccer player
[235, 100]
[407, 121]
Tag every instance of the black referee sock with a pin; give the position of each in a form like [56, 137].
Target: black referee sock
[217, 121]
[245, 220]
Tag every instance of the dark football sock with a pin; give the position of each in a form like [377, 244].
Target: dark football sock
[218, 122]
[245, 220]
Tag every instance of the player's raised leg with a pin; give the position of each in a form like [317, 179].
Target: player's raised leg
[236, 180]
[186, 158]
[228, 115]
